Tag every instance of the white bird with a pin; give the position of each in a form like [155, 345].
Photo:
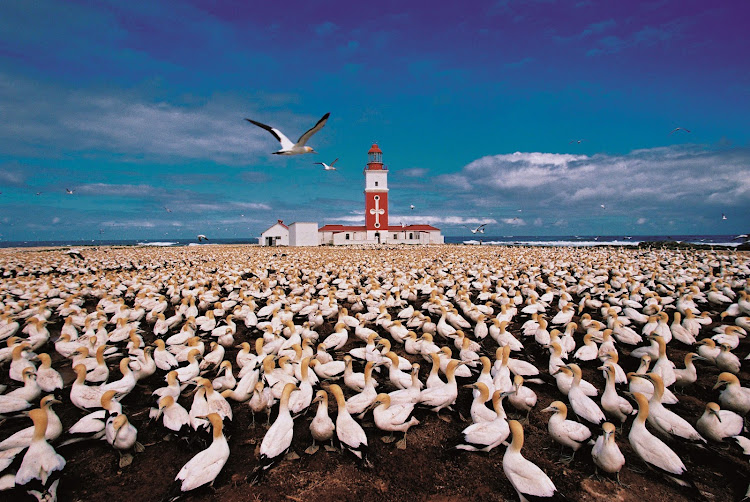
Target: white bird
[652, 450]
[484, 436]
[606, 454]
[24, 437]
[529, 481]
[679, 129]
[734, 397]
[205, 466]
[40, 464]
[583, 405]
[174, 417]
[350, 434]
[278, 438]
[717, 424]
[479, 229]
[613, 404]
[289, 148]
[321, 427]
[393, 417]
[122, 435]
[201, 237]
[327, 167]
[566, 432]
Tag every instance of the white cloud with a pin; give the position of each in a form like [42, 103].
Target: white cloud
[414, 172]
[641, 221]
[132, 125]
[681, 174]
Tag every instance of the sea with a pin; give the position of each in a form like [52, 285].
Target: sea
[483, 240]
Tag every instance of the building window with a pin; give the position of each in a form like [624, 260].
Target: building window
[377, 197]
[376, 183]
[347, 237]
[395, 236]
[411, 235]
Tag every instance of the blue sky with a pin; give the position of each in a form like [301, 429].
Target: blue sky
[140, 106]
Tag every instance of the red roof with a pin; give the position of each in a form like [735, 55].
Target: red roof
[375, 149]
[362, 228]
[280, 222]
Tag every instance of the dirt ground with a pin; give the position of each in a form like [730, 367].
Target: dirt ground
[426, 470]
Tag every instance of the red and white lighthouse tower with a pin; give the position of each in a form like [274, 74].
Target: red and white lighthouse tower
[376, 195]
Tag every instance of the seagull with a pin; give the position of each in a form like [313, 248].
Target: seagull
[202, 237]
[289, 148]
[69, 191]
[327, 167]
[411, 206]
[602, 206]
[577, 141]
[479, 229]
[723, 216]
[679, 129]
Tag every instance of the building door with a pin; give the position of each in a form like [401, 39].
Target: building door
[270, 241]
[377, 236]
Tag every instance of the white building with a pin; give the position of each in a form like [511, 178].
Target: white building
[303, 234]
[276, 235]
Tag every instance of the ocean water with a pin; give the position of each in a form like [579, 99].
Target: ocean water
[484, 240]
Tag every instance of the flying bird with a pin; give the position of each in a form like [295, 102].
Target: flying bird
[577, 141]
[479, 229]
[289, 148]
[679, 129]
[39, 193]
[202, 237]
[327, 167]
[69, 191]
[723, 216]
[167, 209]
[602, 206]
[411, 207]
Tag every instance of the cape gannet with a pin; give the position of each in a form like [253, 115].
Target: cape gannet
[289, 148]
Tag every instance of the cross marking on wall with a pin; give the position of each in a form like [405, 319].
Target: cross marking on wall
[377, 211]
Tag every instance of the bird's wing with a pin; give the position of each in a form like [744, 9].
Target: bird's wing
[317, 127]
[332, 163]
[319, 163]
[481, 226]
[285, 142]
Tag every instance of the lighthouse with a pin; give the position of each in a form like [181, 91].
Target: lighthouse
[376, 194]
[376, 229]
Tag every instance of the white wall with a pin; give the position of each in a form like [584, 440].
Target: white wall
[278, 232]
[372, 176]
[303, 234]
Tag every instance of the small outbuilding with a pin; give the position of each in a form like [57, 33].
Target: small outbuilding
[276, 235]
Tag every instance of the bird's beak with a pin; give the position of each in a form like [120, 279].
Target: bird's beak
[716, 414]
[549, 409]
[718, 384]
